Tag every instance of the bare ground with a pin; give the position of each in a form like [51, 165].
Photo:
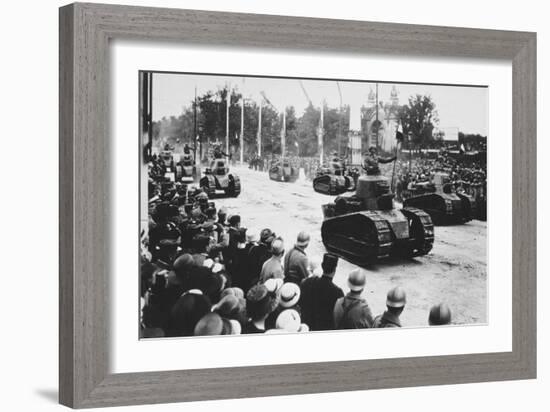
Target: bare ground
[454, 272]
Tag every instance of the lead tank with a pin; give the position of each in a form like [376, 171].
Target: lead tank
[283, 171]
[444, 204]
[365, 227]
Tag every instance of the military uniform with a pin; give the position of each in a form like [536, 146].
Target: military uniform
[371, 161]
[387, 320]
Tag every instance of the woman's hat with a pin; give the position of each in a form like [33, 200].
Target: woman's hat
[260, 301]
[288, 320]
[289, 295]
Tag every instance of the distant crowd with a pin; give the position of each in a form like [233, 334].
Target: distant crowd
[465, 175]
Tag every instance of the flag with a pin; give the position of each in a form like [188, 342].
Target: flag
[462, 149]
[399, 134]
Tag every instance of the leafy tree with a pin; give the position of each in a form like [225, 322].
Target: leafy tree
[419, 118]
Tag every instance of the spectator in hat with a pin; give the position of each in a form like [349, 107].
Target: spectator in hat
[289, 321]
[201, 243]
[440, 315]
[260, 253]
[319, 294]
[186, 313]
[232, 239]
[239, 266]
[231, 307]
[352, 311]
[296, 262]
[395, 303]
[289, 296]
[260, 302]
[213, 324]
[234, 291]
[273, 267]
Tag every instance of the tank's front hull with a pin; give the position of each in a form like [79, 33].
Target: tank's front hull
[364, 237]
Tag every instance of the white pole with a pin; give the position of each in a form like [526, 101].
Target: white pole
[227, 104]
[242, 127]
[283, 134]
[321, 123]
[260, 129]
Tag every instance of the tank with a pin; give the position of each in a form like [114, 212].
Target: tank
[217, 181]
[167, 158]
[365, 227]
[186, 170]
[333, 179]
[443, 203]
[283, 171]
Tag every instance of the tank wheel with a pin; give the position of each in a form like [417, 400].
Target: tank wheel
[234, 187]
[421, 232]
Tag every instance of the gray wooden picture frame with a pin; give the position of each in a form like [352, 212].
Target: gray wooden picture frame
[85, 32]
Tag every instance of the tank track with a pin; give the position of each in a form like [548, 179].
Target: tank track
[237, 182]
[364, 249]
[421, 231]
[384, 234]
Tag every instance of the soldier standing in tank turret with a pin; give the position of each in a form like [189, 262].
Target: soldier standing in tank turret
[218, 153]
[371, 160]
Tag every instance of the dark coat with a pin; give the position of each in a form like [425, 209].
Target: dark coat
[257, 256]
[239, 269]
[296, 265]
[352, 312]
[387, 320]
[317, 298]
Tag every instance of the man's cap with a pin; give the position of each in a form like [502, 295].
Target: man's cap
[214, 324]
[187, 311]
[288, 320]
[329, 263]
[273, 285]
[277, 246]
[266, 236]
[396, 298]
[260, 301]
[183, 263]
[357, 280]
[440, 315]
[303, 239]
[240, 236]
[234, 220]
[227, 306]
[252, 235]
[234, 291]
[289, 295]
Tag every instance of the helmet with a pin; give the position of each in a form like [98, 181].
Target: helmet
[396, 298]
[357, 280]
[440, 315]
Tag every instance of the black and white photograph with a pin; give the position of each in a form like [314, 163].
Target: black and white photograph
[299, 205]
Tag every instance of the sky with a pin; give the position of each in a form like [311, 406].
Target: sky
[462, 107]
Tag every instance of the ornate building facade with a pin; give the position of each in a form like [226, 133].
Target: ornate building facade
[381, 119]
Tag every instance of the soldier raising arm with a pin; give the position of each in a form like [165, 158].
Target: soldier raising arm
[370, 163]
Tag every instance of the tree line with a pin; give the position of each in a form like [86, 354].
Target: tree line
[418, 118]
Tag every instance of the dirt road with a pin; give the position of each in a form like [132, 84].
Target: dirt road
[454, 272]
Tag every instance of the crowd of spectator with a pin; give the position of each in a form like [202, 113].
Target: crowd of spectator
[203, 273]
